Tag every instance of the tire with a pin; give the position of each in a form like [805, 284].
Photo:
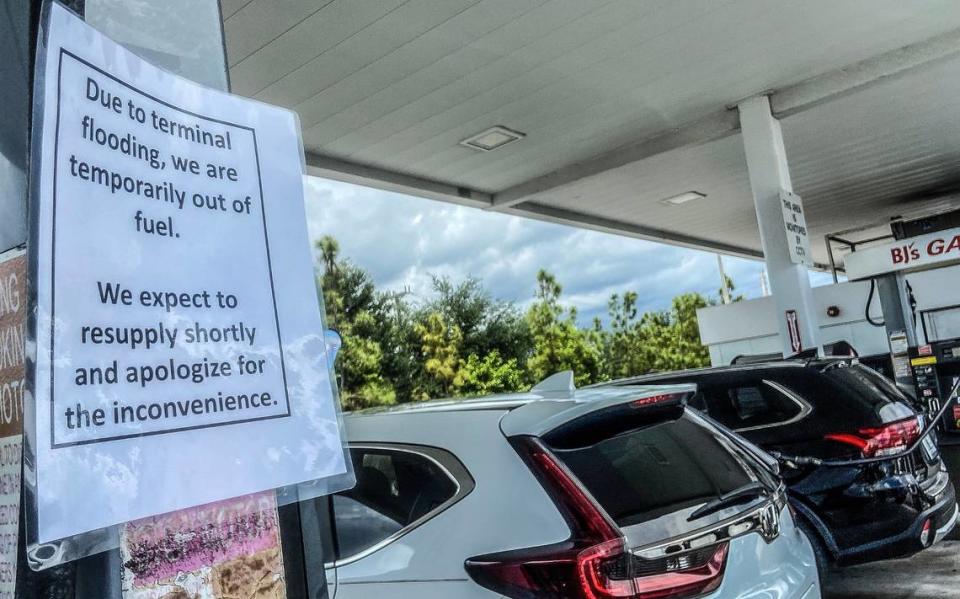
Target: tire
[819, 551]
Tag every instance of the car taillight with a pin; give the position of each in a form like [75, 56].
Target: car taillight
[594, 563]
[657, 399]
[881, 440]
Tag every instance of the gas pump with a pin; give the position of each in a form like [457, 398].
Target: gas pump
[936, 370]
[929, 367]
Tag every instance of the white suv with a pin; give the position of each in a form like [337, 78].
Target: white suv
[599, 493]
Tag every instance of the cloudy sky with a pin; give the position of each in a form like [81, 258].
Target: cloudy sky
[402, 240]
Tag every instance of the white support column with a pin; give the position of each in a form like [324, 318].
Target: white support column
[769, 173]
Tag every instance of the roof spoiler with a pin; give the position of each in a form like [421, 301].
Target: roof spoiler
[557, 385]
[613, 420]
[539, 417]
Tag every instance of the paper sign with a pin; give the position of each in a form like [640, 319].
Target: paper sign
[180, 353]
[13, 300]
[226, 549]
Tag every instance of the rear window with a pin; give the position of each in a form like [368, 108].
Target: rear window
[864, 384]
[642, 474]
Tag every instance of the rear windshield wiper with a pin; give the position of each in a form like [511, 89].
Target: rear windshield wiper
[747, 492]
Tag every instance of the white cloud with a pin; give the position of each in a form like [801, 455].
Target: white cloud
[402, 241]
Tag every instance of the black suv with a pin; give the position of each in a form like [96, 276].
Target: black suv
[832, 409]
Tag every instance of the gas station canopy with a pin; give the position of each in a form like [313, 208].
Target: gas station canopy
[610, 109]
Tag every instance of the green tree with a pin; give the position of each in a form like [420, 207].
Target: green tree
[349, 298]
[690, 351]
[486, 324]
[489, 374]
[463, 341]
[671, 338]
[659, 340]
[625, 347]
[401, 363]
[558, 343]
[347, 289]
[360, 361]
[440, 345]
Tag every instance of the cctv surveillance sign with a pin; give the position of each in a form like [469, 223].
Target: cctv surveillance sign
[795, 228]
[179, 349]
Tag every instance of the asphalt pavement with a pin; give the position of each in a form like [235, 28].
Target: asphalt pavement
[930, 574]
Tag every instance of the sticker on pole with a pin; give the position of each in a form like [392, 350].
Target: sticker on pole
[226, 549]
[180, 356]
[793, 331]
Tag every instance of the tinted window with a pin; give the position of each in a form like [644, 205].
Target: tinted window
[844, 396]
[645, 473]
[864, 385]
[394, 489]
[748, 406]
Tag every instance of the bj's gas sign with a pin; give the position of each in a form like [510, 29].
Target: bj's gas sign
[916, 253]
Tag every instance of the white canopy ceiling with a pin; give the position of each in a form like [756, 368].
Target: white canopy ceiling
[623, 103]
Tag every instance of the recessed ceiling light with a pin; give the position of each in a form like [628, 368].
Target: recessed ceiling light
[492, 138]
[683, 198]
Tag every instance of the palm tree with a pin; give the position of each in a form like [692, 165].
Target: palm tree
[329, 249]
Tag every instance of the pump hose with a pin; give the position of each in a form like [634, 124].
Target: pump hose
[866, 311]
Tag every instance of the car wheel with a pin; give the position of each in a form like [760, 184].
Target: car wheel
[819, 551]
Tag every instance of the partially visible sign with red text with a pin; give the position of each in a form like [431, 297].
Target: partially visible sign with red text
[915, 253]
[13, 275]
